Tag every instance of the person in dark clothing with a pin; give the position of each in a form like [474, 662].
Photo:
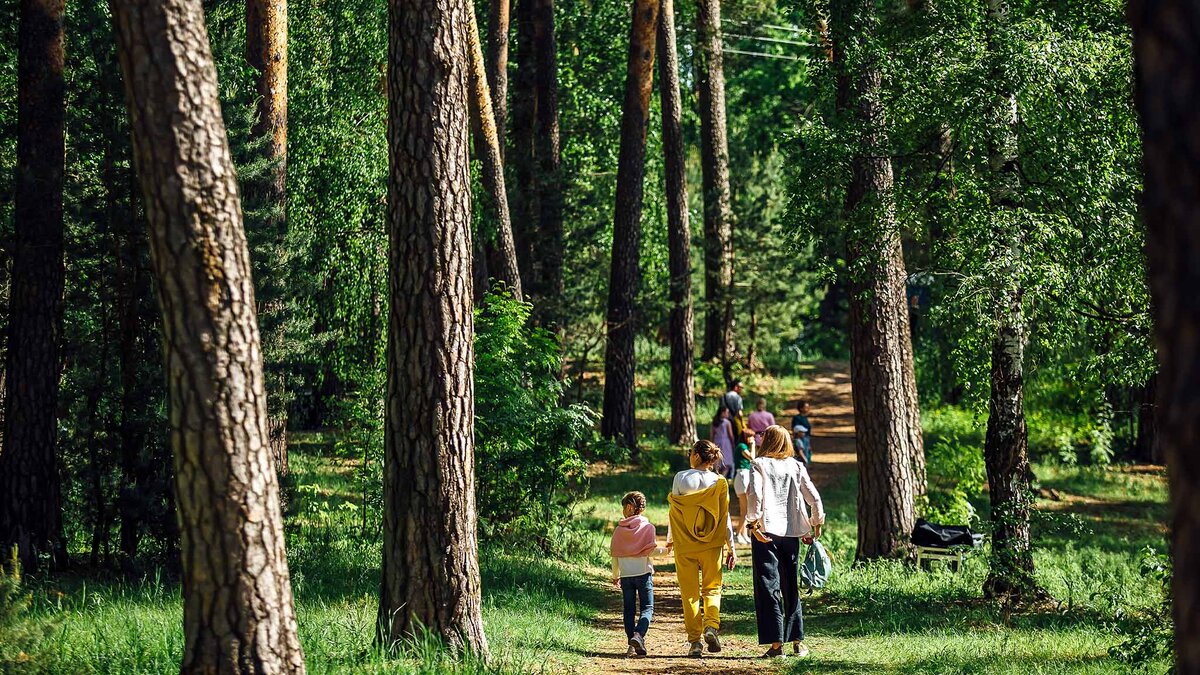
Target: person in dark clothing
[802, 433]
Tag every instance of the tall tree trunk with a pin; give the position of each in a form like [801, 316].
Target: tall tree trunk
[618, 419]
[523, 196]
[430, 564]
[30, 501]
[266, 53]
[679, 234]
[549, 248]
[1165, 33]
[714, 164]
[1006, 445]
[1148, 446]
[497, 64]
[884, 388]
[238, 615]
[503, 261]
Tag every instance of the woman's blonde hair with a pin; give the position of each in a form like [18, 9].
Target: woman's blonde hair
[776, 443]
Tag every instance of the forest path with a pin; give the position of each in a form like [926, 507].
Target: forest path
[827, 389]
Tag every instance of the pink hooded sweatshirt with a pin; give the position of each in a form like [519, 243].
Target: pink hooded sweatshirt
[633, 537]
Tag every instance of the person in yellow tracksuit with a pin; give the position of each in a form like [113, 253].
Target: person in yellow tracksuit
[699, 529]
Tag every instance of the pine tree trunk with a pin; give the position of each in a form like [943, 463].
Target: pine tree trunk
[618, 419]
[430, 564]
[523, 201]
[238, 615]
[267, 54]
[487, 148]
[30, 498]
[1165, 33]
[714, 163]
[549, 248]
[497, 65]
[884, 389]
[679, 234]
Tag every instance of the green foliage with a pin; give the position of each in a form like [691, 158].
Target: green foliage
[1151, 637]
[530, 462]
[954, 464]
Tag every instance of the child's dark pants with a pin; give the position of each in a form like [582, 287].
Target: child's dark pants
[639, 598]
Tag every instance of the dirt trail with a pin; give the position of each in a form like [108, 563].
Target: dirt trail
[827, 388]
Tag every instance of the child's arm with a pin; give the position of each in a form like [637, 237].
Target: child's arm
[616, 571]
[748, 453]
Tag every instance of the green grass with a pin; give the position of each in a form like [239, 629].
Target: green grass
[539, 613]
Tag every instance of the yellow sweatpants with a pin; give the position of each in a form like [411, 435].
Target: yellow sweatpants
[700, 581]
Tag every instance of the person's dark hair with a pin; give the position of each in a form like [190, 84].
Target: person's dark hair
[635, 499]
[734, 384]
[707, 450]
[717, 415]
[801, 404]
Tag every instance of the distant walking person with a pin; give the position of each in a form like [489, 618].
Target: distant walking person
[759, 420]
[733, 401]
[743, 465]
[721, 433]
[699, 530]
[779, 489]
[802, 432]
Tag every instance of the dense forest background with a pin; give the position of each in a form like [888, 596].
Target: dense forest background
[1066, 256]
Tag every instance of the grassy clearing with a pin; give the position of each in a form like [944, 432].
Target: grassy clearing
[540, 613]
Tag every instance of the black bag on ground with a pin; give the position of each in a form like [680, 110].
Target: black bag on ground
[941, 536]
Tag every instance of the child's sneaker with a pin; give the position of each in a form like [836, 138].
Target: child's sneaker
[697, 650]
[713, 639]
[631, 652]
[638, 644]
[799, 649]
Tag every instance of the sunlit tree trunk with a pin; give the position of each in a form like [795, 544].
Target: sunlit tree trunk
[884, 388]
[714, 164]
[238, 615]
[497, 64]
[679, 234]
[618, 419]
[430, 553]
[1167, 70]
[267, 54]
[502, 262]
[30, 497]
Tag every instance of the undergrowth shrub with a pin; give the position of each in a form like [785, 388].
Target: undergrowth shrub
[954, 464]
[1149, 637]
[531, 449]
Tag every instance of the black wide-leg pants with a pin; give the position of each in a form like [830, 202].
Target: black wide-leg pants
[777, 589]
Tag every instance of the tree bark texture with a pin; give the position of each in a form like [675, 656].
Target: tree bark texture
[679, 234]
[548, 251]
[267, 54]
[1167, 76]
[430, 563]
[503, 262]
[714, 164]
[497, 64]
[523, 196]
[618, 416]
[30, 497]
[884, 386]
[237, 596]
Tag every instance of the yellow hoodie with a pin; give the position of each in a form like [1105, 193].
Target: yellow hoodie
[698, 520]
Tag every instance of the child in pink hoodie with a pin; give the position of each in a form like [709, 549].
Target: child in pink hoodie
[633, 542]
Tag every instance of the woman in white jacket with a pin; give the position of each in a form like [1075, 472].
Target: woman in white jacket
[780, 489]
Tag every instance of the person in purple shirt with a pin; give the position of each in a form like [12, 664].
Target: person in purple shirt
[759, 420]
[721, 433]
